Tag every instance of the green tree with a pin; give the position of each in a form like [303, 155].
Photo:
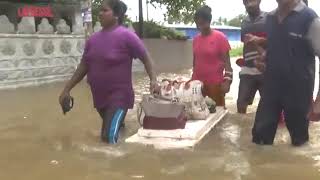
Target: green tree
[95, 10]
[220, 21]
[177, 10]
[236, 21]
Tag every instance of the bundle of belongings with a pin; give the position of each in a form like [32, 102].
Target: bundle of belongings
[173, 105]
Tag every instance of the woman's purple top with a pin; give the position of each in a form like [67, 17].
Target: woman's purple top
[109, 55]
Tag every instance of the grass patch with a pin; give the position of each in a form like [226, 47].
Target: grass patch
[236, 52]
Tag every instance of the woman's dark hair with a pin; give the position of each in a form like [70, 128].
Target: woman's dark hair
[118, 7]
[204, 13]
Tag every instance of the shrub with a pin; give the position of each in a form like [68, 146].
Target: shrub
[153, 30]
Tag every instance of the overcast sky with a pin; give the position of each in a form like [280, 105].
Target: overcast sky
[223, 8]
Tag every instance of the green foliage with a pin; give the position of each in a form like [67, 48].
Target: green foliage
[45, 1]
[236, 52]
[237, 20]
[220, 21]
[65, 1]
[177, 10]
[95, 10]
[153, 30]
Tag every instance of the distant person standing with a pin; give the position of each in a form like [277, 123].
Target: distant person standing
[251, 78]
[251, 74]
[211, 60]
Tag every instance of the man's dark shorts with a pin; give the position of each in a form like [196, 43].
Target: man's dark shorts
[249, 85]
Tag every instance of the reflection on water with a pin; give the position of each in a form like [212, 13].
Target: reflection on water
[38, 142]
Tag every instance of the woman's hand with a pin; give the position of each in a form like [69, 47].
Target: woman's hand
[154, 87]
[63, 95]
[75, 79]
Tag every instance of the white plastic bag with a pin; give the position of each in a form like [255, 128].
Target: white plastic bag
[188, 93]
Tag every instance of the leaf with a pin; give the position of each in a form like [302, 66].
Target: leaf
[177, 10]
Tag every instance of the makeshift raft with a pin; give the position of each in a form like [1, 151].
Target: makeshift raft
[193, 133]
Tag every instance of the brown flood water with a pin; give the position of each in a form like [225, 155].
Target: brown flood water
[39, 143]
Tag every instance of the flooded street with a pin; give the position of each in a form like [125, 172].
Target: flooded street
[39, 143]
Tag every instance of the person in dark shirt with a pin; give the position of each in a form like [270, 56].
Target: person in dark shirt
[293, 41]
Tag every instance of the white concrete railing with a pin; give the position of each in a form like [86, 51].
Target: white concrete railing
[27, 26]
[32, 59]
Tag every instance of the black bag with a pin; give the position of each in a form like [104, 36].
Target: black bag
[67, 104]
